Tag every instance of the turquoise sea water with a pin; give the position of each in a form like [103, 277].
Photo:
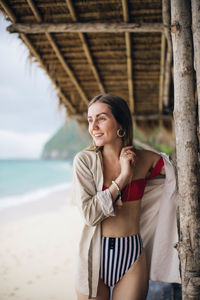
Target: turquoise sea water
[24, 180]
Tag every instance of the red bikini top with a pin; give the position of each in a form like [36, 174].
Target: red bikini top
[135, 189]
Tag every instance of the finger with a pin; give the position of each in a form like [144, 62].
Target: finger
[131, 160]
[128, 154]
[127, 148]
[131, 154]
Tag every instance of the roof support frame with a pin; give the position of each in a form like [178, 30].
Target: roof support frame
[35, 10]
[86, 48]
[129, 57]
[168, 64]
[34, 52]
[98, 28]
[59, 54]
[153, 117]
[162, 72]
[66, 67]
[39, 59]
[8, 11]
[85, 27]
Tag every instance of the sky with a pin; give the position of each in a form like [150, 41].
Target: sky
[29, 113]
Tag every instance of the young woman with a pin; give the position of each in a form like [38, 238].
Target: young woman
[110, 183]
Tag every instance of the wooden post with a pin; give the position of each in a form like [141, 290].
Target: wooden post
[187, 149]
[85, 27]
[129, 58]
[196, 41]
[168, 63]
[162, 69]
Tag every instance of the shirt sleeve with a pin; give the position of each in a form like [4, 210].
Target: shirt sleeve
[94, 205]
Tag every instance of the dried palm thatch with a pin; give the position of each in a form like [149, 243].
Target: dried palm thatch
[92, 47]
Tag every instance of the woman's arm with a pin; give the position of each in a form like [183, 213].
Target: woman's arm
[94, 206]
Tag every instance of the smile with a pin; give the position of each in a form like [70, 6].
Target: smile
[98, 134]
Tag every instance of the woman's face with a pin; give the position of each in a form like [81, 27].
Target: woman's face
[102, 124]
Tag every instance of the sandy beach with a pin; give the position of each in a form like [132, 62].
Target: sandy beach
[38, 244]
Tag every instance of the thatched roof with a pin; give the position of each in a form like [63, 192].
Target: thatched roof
[92, 47]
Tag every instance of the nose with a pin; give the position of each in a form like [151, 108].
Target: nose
[94, 125]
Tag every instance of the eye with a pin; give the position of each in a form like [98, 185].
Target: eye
[101, 118]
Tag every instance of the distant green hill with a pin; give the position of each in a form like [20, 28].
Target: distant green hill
[67, 141]
[72, 138]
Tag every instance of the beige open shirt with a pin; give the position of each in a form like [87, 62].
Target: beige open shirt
[158, 226]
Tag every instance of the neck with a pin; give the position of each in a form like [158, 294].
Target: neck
[112, 152]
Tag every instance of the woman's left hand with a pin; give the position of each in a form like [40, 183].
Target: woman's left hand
[127, 161]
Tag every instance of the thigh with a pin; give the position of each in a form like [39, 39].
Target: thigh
[103, 293]
[134, 284]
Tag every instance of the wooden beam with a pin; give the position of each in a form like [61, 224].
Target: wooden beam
[86, 48]
[8, 11]
[35, 10]
[58, 53]
[152, 117]
[39, 59]
[125, 11]
[168, 64]
[129, 58]
[66, 67]
[85, 27]
[162, 68]
[33, 51]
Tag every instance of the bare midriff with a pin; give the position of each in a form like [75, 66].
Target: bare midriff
[125, 223]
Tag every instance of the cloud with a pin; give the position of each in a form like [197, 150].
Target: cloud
[18, 145]
[28, 99]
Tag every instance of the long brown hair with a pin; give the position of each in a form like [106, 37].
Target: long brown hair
[121, 112]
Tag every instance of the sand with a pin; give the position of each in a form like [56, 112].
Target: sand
[38, 245]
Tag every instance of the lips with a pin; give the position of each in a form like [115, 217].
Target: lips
[97, 134]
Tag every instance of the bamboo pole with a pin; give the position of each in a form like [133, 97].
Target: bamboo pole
[129, 58]
[162, 76]
[162, 68]
[33, 51]
[168, 63]
[86, 48]
[140, 117]
[35, 11]
[9, 11]
[58, 53]
[153, 117]
[66, 67]
[196, 41]
[85, 27]
[186, 149]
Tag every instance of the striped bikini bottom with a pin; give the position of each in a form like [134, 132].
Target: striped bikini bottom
[117, 256]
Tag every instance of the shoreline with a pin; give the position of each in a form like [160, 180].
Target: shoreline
[39, 240]
[51, 199]
[33, 195]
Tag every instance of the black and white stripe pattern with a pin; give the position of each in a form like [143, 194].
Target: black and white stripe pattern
[117, 256]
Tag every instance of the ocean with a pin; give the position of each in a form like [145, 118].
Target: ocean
[27, 180]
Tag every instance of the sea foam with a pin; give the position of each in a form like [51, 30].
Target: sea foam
[35, 195]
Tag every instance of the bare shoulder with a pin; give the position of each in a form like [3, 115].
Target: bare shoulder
[149, 157]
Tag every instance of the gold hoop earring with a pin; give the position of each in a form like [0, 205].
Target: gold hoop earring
[121, 133]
